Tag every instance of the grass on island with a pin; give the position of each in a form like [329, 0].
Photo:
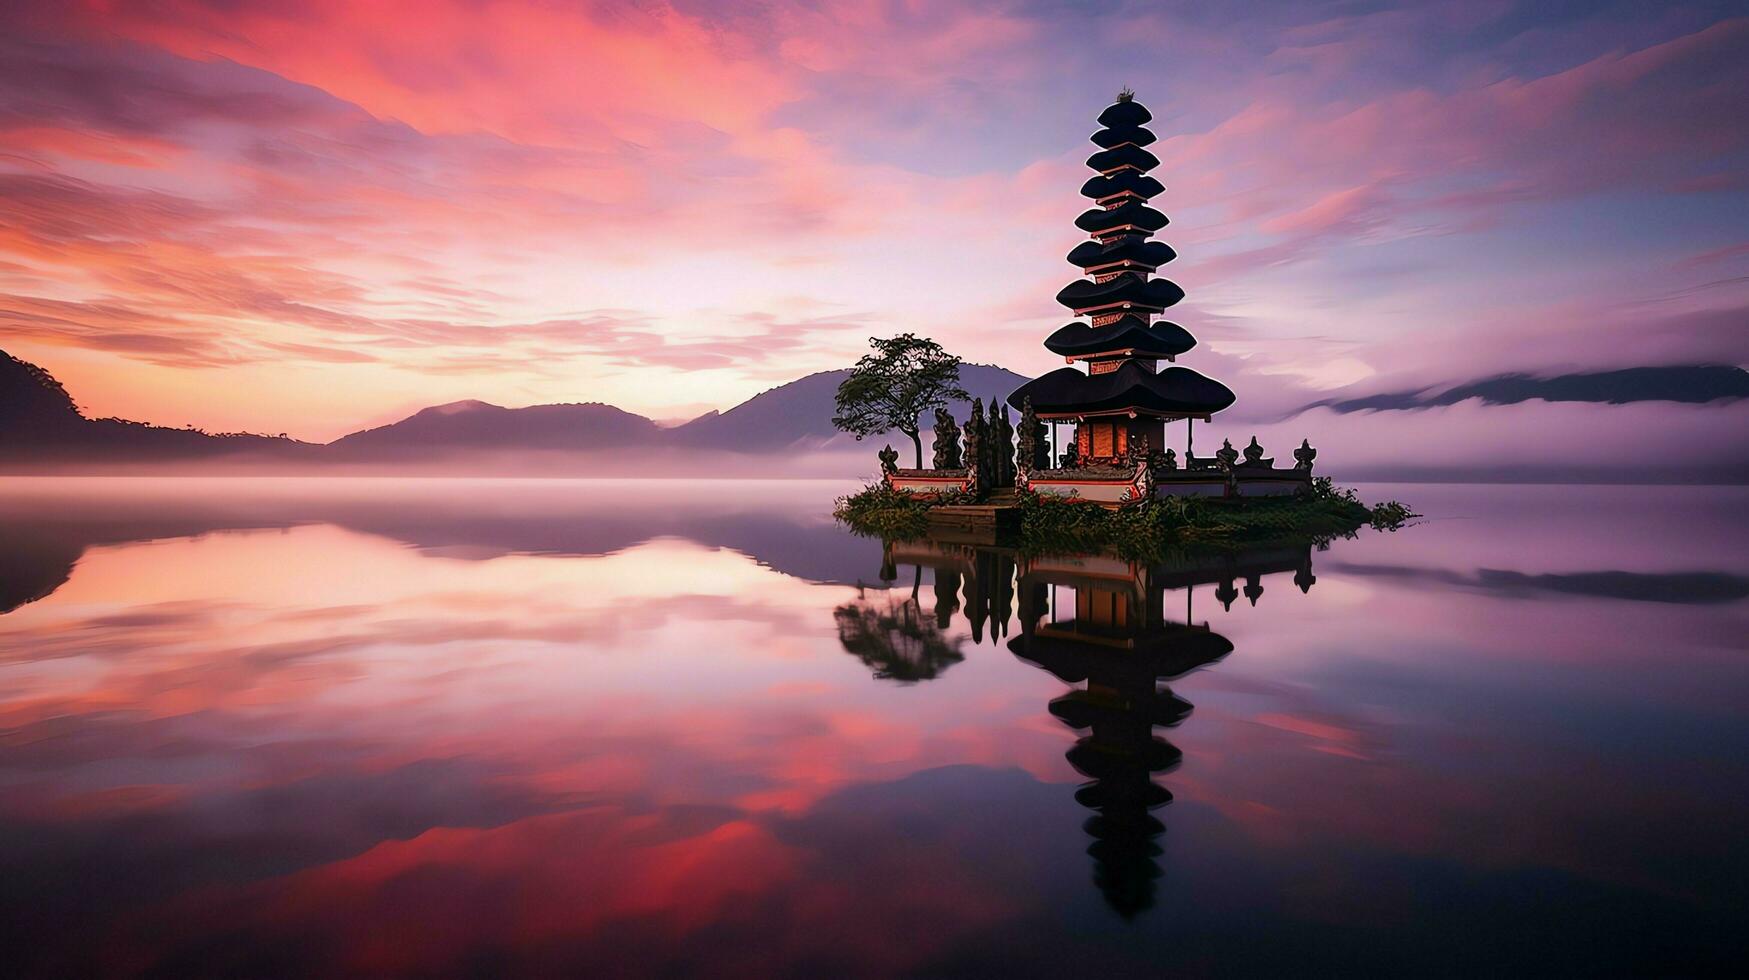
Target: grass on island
[1146, 529]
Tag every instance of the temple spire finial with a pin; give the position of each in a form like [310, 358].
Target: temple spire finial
[1125, 94]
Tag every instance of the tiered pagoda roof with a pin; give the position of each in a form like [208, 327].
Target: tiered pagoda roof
[1124, 342]
[1159, 338]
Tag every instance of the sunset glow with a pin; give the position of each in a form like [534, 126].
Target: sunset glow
[319, 216]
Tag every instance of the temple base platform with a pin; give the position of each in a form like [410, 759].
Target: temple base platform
[929, 482]
[1112, 485]
[1109, 485]
[974, 523]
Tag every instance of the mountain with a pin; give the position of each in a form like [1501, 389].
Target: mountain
[32, 402]
[477, 425]
[40, 422]
[801, 412]
[1690, 383]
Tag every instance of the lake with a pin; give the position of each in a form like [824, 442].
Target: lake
[622, 728]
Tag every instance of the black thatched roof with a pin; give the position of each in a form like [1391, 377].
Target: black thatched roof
[1124, 181]
[1096, 220]
[1122, 246]
[1162, 338]
[1173, 391]
[1126, 249]
[1108, 138]
[1130, 113]
[1127, 155]
[1155, 294]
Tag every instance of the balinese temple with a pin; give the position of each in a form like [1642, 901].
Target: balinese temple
[1122, 388]
[1125, 397]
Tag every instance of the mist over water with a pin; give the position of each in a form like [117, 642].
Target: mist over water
[268, 727]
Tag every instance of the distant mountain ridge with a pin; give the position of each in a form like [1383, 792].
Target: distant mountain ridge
[801, 411]
[481, 425]
[775, 433]
[1688, 383]
[40, 421]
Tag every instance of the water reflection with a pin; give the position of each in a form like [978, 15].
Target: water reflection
[1103, 625]
[893, 637]
[569, 729]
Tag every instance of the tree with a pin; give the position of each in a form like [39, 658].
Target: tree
[891, 387]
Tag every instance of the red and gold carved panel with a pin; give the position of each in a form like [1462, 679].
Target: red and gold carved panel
[1104, 438]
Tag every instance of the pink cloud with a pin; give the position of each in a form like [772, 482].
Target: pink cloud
[458, 199]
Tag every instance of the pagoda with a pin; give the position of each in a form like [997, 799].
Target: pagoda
[1121, 403]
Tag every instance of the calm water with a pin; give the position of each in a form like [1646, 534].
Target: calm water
[258, 728]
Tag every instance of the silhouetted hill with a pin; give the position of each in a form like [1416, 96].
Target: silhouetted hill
[32, 402]
[469, 425]
[39, 421]
[1691, 383]
[42, 430]
[801, 411]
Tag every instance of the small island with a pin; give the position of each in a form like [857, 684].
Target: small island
[1088, 464]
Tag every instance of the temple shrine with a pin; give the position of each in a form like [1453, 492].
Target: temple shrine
[1122, 388]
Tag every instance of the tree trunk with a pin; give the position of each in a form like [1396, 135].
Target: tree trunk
[916, 444]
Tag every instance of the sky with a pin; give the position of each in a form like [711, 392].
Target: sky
[260, 215]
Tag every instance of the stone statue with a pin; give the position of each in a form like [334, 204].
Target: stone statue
[947, 441]
[1001, 445]
[1253, 453]
[1035, 451]
[1171, 462]
[973, 449]
[1026, 444]
[1139, 447]
[1304, 456]
[1227, 454]
[889, 458]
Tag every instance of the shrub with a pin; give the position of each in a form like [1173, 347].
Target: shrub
[880, 511]
[1145, 530]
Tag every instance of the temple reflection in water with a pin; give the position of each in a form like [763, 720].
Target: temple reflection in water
[1117, 631]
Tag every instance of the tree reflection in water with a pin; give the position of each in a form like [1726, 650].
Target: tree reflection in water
[895, 639]
[1101, 624]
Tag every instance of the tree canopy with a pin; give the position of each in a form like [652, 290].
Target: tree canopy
[894, 384]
